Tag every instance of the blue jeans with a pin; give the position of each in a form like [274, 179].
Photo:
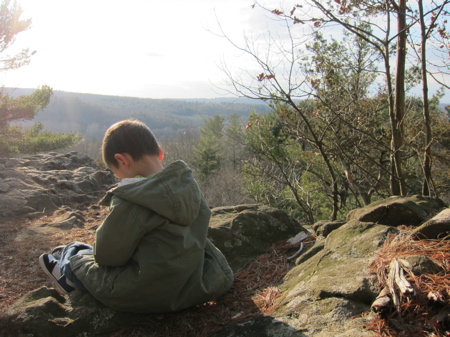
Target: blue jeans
[73, 248]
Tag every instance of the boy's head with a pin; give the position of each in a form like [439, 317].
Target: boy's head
[129, 136]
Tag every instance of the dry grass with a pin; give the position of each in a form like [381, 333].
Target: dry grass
[253, 293]
[418, 314]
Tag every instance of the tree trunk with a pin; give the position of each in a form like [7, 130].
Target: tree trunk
[426, 186]
[325, 157]
[397, 183]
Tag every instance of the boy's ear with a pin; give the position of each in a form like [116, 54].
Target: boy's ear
[161, 153]
[121, 159]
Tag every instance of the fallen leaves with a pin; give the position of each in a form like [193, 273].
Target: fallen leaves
[418, 304]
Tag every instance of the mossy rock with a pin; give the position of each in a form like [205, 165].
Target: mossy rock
[396, 211]
[325, 227]
[244, 232]
[335, 280]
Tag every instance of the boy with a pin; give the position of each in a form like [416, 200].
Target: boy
[151, 253]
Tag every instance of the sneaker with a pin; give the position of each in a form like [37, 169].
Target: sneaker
[57, 252]
[50, 265]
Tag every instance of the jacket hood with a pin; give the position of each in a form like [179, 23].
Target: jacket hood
[173, 193]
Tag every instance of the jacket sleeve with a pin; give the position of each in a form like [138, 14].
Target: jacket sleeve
[118, 235]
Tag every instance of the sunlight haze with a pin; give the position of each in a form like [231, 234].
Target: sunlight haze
[142, 48]
[149, 48]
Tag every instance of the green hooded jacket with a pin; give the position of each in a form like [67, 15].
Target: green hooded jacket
[151, 253]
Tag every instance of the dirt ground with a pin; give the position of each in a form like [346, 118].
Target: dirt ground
[21, 244]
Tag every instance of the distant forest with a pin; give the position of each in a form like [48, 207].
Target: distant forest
[90, 115]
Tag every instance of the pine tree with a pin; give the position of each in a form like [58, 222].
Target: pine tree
[209, 149]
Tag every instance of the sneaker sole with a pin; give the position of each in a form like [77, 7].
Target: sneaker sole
[49, 274]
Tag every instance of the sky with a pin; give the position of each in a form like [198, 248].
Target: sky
[141, 48]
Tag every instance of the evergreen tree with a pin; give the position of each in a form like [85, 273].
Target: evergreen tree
[209, 149]
[234, 142]
[36, 139]
[22, 107]
[277, 169]
[10, 26]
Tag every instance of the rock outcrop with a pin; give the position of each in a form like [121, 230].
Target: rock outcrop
[437, 227]
[396, 211]
[44, 312]
[246, 231]
[328, 291]
[42, 183]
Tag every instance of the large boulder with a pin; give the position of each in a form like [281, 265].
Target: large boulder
[435, 228]
[330, 290]
[396, 211]
[326, 289]
[43, 183]
[246, 231]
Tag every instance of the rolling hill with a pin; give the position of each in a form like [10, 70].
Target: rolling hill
[90, 115]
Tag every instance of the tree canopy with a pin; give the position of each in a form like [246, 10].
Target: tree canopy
[10, 25]
[344, 97]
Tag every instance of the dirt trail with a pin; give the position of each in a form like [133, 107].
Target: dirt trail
[23, 241]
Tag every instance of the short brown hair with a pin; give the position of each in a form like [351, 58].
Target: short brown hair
[128, 136]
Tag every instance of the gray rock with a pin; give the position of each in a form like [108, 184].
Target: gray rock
[422, 265]
[397, 211]
[325, 227]
[44, 182]
[322, 291]
[4, 186]
[339, 269]
[44, 312]
[436, 227]
[67, 219]
[43, 200]
[246, 231]
[263, 326]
